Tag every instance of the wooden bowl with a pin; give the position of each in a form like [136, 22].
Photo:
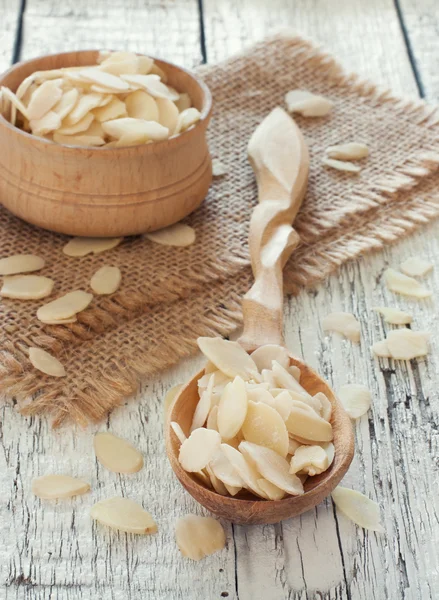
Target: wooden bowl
[104, 192]
[247, 509]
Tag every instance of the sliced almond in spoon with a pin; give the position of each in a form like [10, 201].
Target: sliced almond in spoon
[65, 307]
[203, 407]
[198, 537]
[311, 460]
[246, 471]
[116, 454]
[224, 470]
[264, 356]
[43, 99]
[344, 323]
[264, 426]
[358, 508]
[229, 357]
[199, 448]
[394, 315]
[20, 263]
[212, 419]
[416, 266]
[355, 398]
[46, 363]
[232, 408]
[325, 406]
[284, 379]
[51, 487]
[81, 246]
[106, 280]
[400, 283]
[306, 423]
[26, 287]
[175, 235]
[271, 491]
[123, 514]
[176, 428]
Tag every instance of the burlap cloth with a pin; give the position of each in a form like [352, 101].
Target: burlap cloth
[169, 296]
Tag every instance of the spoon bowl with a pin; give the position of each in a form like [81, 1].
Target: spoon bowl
[247, 509]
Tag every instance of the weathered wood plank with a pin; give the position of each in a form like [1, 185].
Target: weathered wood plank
[422, 23]
[10, 14]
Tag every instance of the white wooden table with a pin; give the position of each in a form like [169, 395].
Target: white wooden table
[53, 551]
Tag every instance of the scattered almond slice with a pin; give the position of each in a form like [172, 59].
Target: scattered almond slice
[232, 408]
[304, 422]
[265, 355]
[26, 287]
[356, 399]
[198, 537]
[229, 357]
[394, 315]
[246, 471]
[264, 426]
[178, 234]
[311, 460]
[344, 323]
[307, 104]
[204, 405]
[406, 344]
[186, 119]
[65, 306]
[106, 280]
[402, 284]
[270, 490]
[20, 263]
[218, 169]
[81, 246]
[46, 363]
[178, 432]
[349, 151]
[341, 165]
[43, 99]
[224, 471]
[416, 266]
[170, 396]
[380, 349]
[198, 450]
[272, 467]
[52, 487]
[141, 105]
[358, 508]
[123, 514]
[183, 102]
[116, 454]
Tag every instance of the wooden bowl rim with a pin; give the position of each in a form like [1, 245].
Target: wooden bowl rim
[204, 119]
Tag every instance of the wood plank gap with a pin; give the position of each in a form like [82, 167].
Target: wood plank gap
[410, 53]
[16, 54]
[202, 31]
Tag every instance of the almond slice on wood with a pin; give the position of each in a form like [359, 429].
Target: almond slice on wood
[198, 537]
[229, 357]
[116, 454]
[141, 105]
[394, 315]
[81, 246]
[178, 234]
[307, 104]
[349, 151]
[246, 470]
[204, 405]
[186, 119]
[341, 165]
[380, 349]
[264, 426]
[51, 487]
[356, 399]
[199, 448]
[170, 396]
[106, 280]
[358, 508]
[232, 408]
[416, 266]
[95, 75]
[46, 363]
[20, 263]
[123, 514]
[264, 356]
[344, 323]
[406, 344]
[311, 460]
[43, 99]
[26, 287]
[407, 286]
[65, 306]
[272, 467]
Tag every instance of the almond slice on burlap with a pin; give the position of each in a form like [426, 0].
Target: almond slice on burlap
[349, 151]
[26, 287]
[307, 104]
[123, 514]
[229, 357]
[81, 246]
[358, 508]
[116, 454]
[106, 280]
[341, 165]
[46, 363]
[198, 537]
[65, 307]
[199, 448]
[20, 263]
[178, 234]
[51, 487]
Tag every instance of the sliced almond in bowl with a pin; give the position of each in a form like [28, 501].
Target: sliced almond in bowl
[198, 537]
[125, 515]
[46, 363]
[116, 454]
[186, 119]
[44, 98]
[95, 75]
[51, 487]
[26, 287]
[141, 105]
[232, 408]
[141, 129]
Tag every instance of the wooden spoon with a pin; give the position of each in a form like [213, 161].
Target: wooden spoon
[279, 157]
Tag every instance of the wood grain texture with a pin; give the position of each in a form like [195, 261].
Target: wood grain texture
[58, 553]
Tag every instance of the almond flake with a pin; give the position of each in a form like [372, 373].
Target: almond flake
[7, 93]
[168, 114]
[416, 266]
[407, 286]
[65, 306]
[356, 399]
[198, 537]
[311, 460]
[51, 487]
[394, 315]
[178, 432]
[304, 422]
[233, 490]
[264, 426]
[270, 490]
[246, 471]
[43, 99]
[217, 484]
[20, 263]
[113, 110]
[81, 246]
[156, 70]
[292, 446]
[184, 102]
[341, 165]
[330, 452]
[307, 104]
[126, 66]
[284, 379]
[116, 454]
[26, 287]
[80, 126]
[66, 103]
[60, 321]
[152, 84]
[186, 119]
[260, 394]
[95, 75]
[123, 514]
[197, 451]
[358, 508]
[224, 471]
[406, 344]
[380, 349]
[46, 363]
[106, 280]
[212, 419]
[344, 323]
[218, 169]
[272, 467]
[349, 151]
[204, 405]
[295, 372]
[178, 234]
[143, 131]
[170, 396]
[232, 408]
[264, 356]
[141, 105]
[229, 357]
[325, 406]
